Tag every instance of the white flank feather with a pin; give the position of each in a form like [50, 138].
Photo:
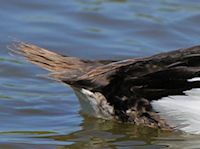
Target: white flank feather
[181, 112]
[194, 79]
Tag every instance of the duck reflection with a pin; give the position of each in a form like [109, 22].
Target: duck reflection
[98, 133]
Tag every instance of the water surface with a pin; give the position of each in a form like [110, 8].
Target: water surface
[39, 113]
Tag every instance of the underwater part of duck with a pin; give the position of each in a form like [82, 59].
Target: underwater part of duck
[161, 91]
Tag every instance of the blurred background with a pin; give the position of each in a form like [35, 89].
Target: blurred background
[39, 113]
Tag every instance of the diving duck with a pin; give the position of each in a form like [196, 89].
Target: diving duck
[161, 91]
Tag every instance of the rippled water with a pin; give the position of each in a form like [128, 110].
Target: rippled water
[39, 113]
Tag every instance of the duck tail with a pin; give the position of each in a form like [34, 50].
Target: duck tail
[46, 59]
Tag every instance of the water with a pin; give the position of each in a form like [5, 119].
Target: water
[39, 113]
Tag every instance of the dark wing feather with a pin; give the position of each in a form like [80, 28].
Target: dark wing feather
[172, 81]
[151, 77]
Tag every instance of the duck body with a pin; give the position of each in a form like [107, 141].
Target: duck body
[160, 91]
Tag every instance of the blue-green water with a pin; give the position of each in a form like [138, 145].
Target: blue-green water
[39, 113]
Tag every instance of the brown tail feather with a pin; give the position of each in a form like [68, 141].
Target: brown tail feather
[53, 62]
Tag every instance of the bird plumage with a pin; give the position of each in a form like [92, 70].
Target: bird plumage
[128, 87]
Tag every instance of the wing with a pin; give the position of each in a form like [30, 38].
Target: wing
[150, 77]
[164, 74]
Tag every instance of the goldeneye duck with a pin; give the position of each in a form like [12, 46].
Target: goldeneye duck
[161, 91]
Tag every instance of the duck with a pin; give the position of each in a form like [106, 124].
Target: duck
[161, 91]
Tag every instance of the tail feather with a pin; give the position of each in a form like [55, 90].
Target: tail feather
[57, 64]
[47, 59]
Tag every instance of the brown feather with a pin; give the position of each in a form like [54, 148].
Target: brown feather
[128, 85]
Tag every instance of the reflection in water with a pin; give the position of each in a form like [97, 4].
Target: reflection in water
[98, 133]
[180, 142]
